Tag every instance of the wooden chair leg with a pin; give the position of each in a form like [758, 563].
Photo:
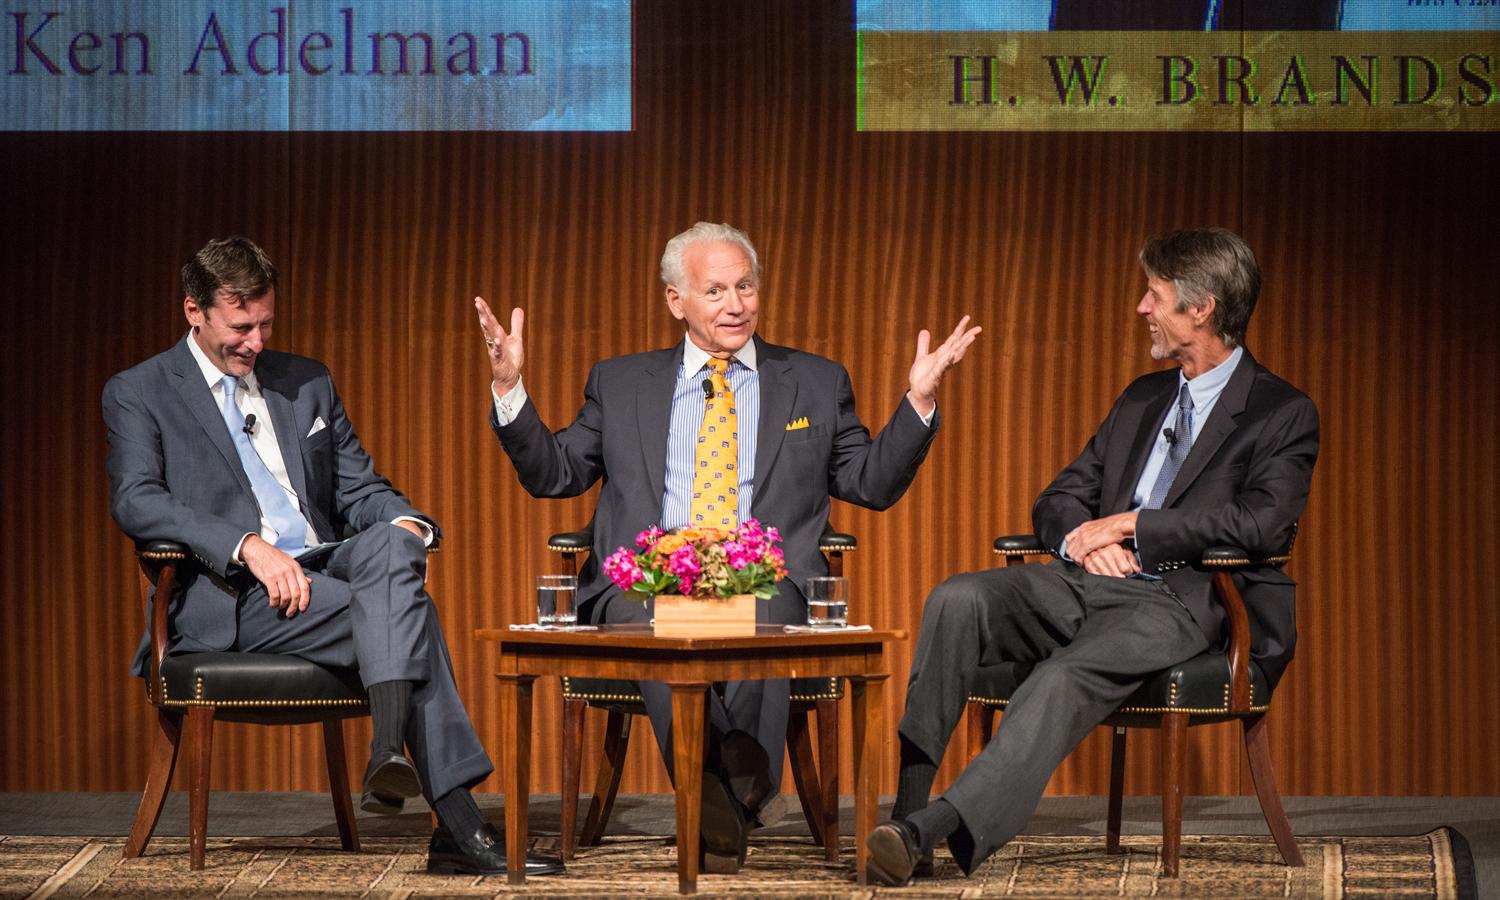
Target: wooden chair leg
[200, 728]
[1116, 789]
[980, 718]
[572, 766]
[611, 764]
[338, 783]
[828, 771]
[158, 782]
[1257, 748]
[805, 772]
[1173, 756]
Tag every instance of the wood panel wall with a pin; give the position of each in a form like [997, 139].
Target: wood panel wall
[1380, 301]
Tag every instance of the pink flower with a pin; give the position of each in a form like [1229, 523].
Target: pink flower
[739, 555]
[622, 569]
[648, 537]
[774, 557]
[684, 564]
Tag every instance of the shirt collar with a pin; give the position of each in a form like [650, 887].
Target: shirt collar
[211, 373]
[1207, 387]
[694, 358]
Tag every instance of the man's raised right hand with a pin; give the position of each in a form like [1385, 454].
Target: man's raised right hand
[505, 350]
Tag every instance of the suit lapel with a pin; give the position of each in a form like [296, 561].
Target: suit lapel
[653, 409]
[1152, 414]
[1219, 426]
[200, 401]
[778, 393]
[276, 393]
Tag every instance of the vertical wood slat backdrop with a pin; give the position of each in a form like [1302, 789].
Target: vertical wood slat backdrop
[1379, 301]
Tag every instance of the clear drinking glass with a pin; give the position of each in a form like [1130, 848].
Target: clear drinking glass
[828, 602]
[555, 596]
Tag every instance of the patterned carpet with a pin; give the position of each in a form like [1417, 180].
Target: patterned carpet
[1430, 865]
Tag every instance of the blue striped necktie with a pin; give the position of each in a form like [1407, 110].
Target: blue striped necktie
[1177, 450]
[275, 505]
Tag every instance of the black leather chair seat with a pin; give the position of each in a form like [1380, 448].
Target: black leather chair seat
[611, 693]
[1199, 686]
[266, 688]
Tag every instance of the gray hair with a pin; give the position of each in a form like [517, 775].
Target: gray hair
[1206, 262]
[671, 258]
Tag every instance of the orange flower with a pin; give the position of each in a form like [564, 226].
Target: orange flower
[671, 542]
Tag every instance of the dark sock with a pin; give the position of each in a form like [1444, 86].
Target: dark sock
[390, 704]
[917, 774]
[458, 812]
[934, 823]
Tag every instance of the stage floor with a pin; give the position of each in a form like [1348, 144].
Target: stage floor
[307, 814]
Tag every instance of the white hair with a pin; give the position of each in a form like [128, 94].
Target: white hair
[671, 258]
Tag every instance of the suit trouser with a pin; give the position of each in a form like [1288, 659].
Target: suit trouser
[1093, 640]
[368, 610]
[758, 708]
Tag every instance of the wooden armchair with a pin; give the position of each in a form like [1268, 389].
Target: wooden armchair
[1211, 687]
[196, 689]
[817, 788]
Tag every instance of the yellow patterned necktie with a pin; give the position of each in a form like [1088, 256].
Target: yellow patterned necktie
[716, 480]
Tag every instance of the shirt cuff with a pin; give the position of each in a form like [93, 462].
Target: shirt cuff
[235, 556]
[927, 419]
[426, 529]
[509, 406]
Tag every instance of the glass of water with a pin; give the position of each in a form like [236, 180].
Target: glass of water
[555, 596]
[828, 602]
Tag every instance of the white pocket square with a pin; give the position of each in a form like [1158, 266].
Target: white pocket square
[318, 425]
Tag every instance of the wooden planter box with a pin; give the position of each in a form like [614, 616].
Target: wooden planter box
[679, 616]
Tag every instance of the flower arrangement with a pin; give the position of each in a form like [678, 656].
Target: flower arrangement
[700, 562]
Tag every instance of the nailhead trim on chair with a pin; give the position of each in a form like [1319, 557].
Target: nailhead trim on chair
[199, 701]
[1136, 710]
[162, 554]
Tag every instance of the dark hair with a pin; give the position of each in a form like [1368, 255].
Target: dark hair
[1206, 262]
[233, 264]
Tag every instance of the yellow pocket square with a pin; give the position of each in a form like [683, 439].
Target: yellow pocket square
[796, 424]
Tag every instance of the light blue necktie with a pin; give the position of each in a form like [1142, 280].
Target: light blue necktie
[291, 527]
[1177, 450]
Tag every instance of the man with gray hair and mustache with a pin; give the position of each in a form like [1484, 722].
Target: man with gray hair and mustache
[1217, 451]
[797, 443]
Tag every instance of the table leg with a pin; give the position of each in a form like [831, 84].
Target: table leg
[867, 694]
[515, 719]
[689, 703]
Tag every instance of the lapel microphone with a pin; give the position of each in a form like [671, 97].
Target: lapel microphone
[708, 390]
[249, 425]
[1167, 433]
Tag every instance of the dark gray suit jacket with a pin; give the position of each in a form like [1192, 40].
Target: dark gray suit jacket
[1244, 484]
[175, 475]
[620, 436]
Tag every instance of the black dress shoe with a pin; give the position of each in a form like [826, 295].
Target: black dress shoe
[481, 853]
[389, 780]
[894, 853]
[722, 821]
[925, 867]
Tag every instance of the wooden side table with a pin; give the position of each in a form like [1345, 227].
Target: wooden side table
[690, 666]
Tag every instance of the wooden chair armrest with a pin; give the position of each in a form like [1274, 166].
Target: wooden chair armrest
[1223, 562]
[831, 541]
[1016, 547]
[159, 561]
[572, 541]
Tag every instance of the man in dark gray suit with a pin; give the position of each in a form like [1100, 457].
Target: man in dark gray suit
[245, 455]
[799, 443]
[1216, 452]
